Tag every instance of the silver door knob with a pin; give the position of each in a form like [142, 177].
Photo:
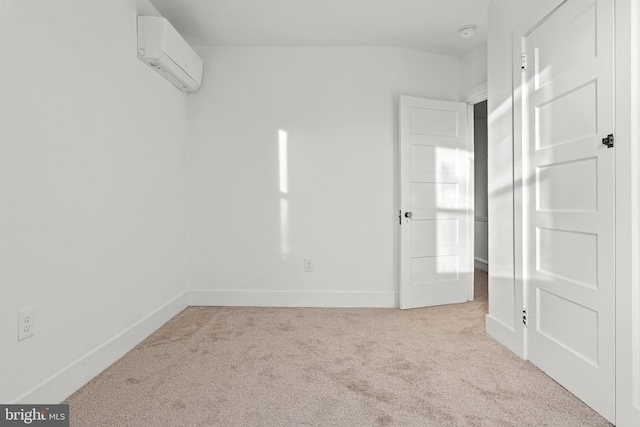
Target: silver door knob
[408, 215]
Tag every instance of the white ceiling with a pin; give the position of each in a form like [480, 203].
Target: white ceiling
[426, 25]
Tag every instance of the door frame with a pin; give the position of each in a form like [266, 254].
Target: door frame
[627, 105]
[474, 96]
[520, 196]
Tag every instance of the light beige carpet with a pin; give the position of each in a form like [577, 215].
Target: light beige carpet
[225, 366]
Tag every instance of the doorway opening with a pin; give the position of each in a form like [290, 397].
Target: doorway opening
[481, 211]
[480, 195]
[478, 113]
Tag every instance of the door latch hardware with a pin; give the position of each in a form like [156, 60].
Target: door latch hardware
[524, 318]
[408, 215]
[608, 141]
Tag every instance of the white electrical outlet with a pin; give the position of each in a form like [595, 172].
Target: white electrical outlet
[26, 323]
[308, 265]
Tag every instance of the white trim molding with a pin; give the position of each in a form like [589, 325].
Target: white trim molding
[259, 298]
[67, 381]
[481, 264]
[475, 95]
[627, 130]
[504, 334]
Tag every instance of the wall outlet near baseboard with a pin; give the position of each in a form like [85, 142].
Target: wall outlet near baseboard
[26, 323]
[308, 265]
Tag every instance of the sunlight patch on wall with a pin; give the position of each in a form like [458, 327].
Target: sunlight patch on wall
[282, 157]
[284, 189]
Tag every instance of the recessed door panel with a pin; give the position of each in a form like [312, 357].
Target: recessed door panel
[434, 122]
[434, 232]
[569, 325]
[426, 158]
[568, 255]
[568, 186]
[567, 117]
[427, 195]
[567, 47]
[426, 271]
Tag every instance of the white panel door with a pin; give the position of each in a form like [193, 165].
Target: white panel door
[435, 260]
[569, 238]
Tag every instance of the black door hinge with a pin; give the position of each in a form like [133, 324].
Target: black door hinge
[524, 318]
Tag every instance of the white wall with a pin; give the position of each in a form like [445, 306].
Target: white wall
[338, 106]
[92, 192]
[473, 70]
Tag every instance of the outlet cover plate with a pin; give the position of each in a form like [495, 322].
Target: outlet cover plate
[26, 323]
[308, 265]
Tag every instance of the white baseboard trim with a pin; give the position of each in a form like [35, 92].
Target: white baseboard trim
[68, 380]
[481, 264]
[504, 334]
[249, 298]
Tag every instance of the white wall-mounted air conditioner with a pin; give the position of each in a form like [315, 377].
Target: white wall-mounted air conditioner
[163, 49]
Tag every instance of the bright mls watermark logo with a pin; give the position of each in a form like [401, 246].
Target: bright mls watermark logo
[34, 415]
